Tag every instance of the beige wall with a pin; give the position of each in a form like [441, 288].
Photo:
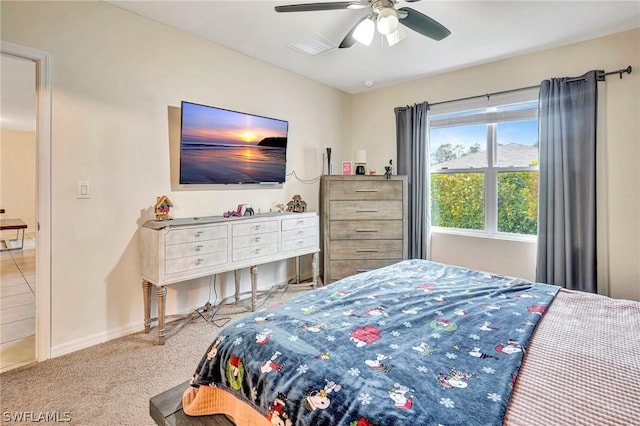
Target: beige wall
[374, 126]
[18, 177]
[117, 80]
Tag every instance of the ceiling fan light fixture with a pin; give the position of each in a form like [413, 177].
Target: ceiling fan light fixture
[387, 20]
[397, 36]
[364, 32]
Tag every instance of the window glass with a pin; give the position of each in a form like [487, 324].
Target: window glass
[457, 200]
[460, 147]
[484, 161]
[517, 143]
[518, 202]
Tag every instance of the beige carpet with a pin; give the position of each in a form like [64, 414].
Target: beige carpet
[111, 383]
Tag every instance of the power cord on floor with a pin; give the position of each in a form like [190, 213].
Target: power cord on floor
[211, 310]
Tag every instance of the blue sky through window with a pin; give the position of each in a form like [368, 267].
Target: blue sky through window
[520, 132]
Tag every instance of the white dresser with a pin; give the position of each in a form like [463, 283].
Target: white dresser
[177, 250]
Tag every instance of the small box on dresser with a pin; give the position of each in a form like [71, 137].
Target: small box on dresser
[363, 223]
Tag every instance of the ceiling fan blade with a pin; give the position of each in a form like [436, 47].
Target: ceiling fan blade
[312, 7]
[349, 40]
[422, 24]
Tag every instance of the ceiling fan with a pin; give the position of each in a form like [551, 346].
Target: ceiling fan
[384, 17]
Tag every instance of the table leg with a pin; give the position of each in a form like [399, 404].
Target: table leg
[236, 277]
[254, 286]
[162, 293]
[146, 298]
[314, 269]
[297, 269]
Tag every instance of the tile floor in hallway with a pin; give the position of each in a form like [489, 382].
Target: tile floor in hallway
[17, 305]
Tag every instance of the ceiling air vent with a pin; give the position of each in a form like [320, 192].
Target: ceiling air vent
[314, 45]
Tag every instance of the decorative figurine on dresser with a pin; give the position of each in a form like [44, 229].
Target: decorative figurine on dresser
[297, 205]
[363, 223]
[162, 207]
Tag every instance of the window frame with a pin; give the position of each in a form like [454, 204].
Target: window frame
[491, 118]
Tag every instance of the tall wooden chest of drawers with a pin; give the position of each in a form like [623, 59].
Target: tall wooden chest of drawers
[364, 223]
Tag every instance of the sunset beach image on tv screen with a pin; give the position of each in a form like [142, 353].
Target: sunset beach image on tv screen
[223, 146]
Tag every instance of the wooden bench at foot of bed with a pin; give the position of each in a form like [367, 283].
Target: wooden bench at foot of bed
[166, 410]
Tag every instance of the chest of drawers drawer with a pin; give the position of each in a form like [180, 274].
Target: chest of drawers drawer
[343, 268]
[192, 263]
[201, 233]
[254, 251]
[242, 229]
[200, 248]
[365, 229]
[299, 223]
[363, 249]
[255, 240]
[294, 234]
[365, 210]
[364, 189]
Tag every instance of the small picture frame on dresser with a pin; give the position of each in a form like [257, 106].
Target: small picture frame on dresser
[347, 168]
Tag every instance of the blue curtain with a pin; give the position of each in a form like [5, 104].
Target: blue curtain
[567, 188]
[412, 131]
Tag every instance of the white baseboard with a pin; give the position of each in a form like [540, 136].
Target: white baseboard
[95, 339]
[136, 327]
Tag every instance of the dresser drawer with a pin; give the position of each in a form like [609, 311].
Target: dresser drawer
[254, 252]
[254, 240]
[366, 249]
[344, 268]
[294, 234]
[303, 222]
[365, 229]
[174, 266]
[176, 251]
[201, 233]
[298, 243]
[241, 229]
[365, 210]
[366, 190]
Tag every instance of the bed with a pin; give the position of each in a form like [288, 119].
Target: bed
[422, 343]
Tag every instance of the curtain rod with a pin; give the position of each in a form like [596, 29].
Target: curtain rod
[626, 70]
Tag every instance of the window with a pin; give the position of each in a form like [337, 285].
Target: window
[484, 165]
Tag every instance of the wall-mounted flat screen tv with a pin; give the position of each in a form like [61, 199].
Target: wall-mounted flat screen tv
[219, 146]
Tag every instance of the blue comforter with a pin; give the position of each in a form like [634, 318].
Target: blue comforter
[415, 343]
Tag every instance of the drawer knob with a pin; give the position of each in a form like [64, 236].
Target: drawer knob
[256, 227]
[198, 234]
[300, 232]
[198, 247]
[257, 239]
[199, 261]
[256, 251]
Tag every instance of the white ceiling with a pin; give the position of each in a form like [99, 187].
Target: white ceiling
[482, 31]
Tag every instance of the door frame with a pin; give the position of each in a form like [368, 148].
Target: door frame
[42, 62]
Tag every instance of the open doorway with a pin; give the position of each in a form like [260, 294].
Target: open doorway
[18, 153]
[25, 205]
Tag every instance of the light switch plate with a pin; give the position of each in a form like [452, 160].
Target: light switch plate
[84, 189]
